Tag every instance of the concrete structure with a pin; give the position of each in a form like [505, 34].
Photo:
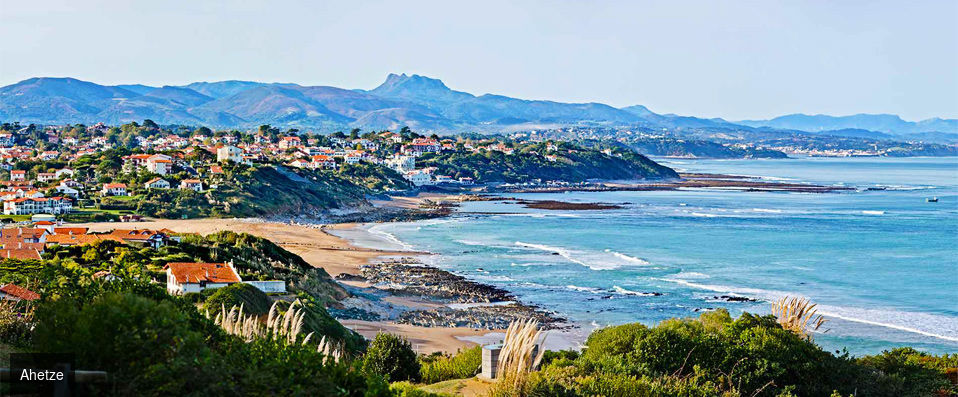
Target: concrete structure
[490, 360]
[269, 287]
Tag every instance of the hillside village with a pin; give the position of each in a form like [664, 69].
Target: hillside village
[59, 170]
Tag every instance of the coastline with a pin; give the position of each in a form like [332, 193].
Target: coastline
[319, 246]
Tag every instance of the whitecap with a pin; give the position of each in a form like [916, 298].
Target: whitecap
[583, 289]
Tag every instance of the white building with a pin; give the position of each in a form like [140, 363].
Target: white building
[191, 184]
[157, 183]
[114, 189]
[418, 178]
[42, 205]
[229, 153]
[186, 277]
[159, 164]
[402, 163]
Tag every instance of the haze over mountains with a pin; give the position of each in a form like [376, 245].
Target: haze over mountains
[419, 102]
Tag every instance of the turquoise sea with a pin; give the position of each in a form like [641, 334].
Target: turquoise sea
[881, 264]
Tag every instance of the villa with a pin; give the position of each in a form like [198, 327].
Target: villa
[186, 277]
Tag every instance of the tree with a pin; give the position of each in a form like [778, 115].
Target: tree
[391, 356]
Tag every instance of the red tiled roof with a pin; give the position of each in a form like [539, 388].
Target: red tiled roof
[24, 253]
[72, 239]
[19, 292]
[70, 230]
[193, 272]
[127, 234]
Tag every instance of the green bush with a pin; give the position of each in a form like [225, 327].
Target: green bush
[406, 389]
[164, 347]
[392, 357]
[715, 354]
[913, 373]
[440, 367]
[251, 298]
[140, 342]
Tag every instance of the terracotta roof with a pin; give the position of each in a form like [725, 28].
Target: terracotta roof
[127, 234]
[72, 239]
[19, 292]
[25, 253]
[192, 272]
[70, 230]
[114, 185]
[20, 233]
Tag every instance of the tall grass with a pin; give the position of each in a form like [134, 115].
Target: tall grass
[798, 315]
[518, 358]
[284, 327]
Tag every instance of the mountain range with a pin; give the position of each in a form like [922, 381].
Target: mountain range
[420, 102]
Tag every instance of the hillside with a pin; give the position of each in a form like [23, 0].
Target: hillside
[699, 149]
[525, 164]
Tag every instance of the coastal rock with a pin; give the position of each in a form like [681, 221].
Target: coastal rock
[402, 277]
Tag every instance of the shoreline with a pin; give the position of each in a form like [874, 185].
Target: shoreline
[320, 246]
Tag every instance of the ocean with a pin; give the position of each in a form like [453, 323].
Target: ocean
[882, 265]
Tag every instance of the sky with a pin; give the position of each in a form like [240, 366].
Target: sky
[730, 59]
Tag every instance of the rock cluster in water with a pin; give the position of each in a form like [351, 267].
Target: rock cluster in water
[403, 277]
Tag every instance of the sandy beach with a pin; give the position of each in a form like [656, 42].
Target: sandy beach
[334, 254]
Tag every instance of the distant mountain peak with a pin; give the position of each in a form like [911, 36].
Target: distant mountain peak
[414, 81]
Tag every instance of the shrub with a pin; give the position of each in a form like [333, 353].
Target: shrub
[135, 339]
[253, 300]
[440, 367]
[715, 354]
[406, 389]
[16, 322]
[391, 356]
[912, 373]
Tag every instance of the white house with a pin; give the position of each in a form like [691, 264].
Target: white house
[159, 164]
[114, 189]
[229, 153]
[191, 184]
[157, 183]
[64, 172]
[67, 191]
[46, 176]
[402, 163]
[418, 178]
[186, 277]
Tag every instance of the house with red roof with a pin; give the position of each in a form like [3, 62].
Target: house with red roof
[18, 175]
[186, 277]
[114, 189]
[13, 292]
[37, 205]
[20, 253]
[191, 184]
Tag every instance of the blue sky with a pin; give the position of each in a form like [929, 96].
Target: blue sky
[736, 60]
